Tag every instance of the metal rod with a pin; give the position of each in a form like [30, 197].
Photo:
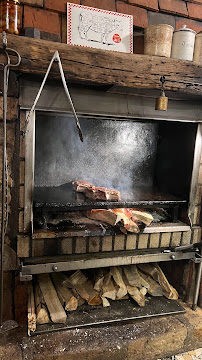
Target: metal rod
[5, 88]
[198, 281]
[56, 57]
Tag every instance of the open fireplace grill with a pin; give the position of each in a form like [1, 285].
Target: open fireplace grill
[152, 161]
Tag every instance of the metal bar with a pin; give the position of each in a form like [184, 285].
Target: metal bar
[5, 87]
[197, 288]
[194, 178]
[102, 262]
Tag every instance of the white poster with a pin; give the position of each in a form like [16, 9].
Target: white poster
[99, 29]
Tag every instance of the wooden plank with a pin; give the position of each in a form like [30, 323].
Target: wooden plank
[93, 66]
[57, 313]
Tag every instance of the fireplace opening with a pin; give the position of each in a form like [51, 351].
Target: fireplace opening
[149, 162]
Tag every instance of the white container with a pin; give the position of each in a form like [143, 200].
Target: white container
[198, 49]
[183, 44]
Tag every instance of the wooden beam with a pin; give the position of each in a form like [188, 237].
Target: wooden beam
[102, 67]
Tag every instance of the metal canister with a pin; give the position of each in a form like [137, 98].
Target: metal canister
[158, 40]
[198, 49]
[183, 43]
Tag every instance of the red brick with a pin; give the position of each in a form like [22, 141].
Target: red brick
[173, 6]
[32, 2]
[152, 4]
[42, 20]
[60, 6]
[195, 11]
[191, 24]
[195, 1]
[100, 4]
[139, 14]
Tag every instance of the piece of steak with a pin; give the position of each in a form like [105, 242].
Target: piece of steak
[102, 193]
[81, 186]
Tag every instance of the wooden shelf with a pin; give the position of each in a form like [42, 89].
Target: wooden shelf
[105, 68]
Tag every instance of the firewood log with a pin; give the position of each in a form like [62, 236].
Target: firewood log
[142, 216]
[116, 272]
[64, 280]
[149, 269]
[31, 316]
[108, 290]
[134, 292]
[81, 290]
[99, 279]
[107, 216]
[154, 287]
[78, 297]
[78, 278]
[168, 290]
[67, 299]
[133, 277]
[94, 296]
[56, 311]
[42, 316]
[105, 302]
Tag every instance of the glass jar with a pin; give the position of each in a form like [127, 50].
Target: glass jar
[10, 15]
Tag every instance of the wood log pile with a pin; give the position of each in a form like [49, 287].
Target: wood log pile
[51, 297]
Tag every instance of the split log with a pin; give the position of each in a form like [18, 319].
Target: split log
[67, 299]
[99, 280]
[149, 269]
[168, 290]
[133, 277]
[81, 290]
[94, 296]
[78, 278]
[42, 316]
[78, 297]
[105, 302]
[56, 311]
[116, 272]
[134, 292]
[64, 280]
[31, 317]
[107, 216]
[154, 287]
[143, 216]
[108, 290]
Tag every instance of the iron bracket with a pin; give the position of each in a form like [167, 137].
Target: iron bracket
[197, 259]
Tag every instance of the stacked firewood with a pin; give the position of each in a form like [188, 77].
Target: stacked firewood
[50, 297]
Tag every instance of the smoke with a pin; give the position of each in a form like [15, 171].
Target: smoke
[115, 154]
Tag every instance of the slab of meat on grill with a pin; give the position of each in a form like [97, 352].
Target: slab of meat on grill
[102, 193]
[81, 186]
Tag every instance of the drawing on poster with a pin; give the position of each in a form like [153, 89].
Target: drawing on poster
[98, 28]
[103, 26]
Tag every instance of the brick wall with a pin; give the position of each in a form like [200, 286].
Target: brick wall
[49, 16]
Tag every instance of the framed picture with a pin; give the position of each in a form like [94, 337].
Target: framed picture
[97, 28]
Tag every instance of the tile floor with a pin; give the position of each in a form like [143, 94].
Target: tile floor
[190, 355]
